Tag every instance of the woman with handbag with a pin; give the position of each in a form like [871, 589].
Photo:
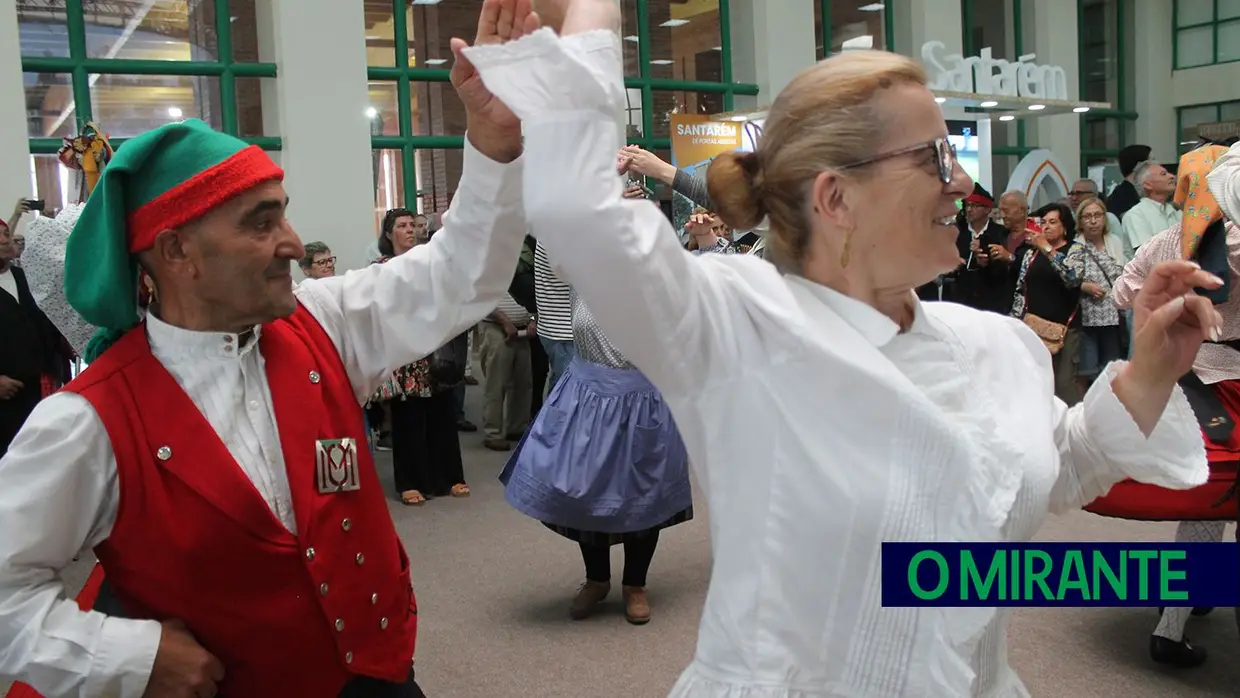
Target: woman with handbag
[1103, 335]
[1048, 293]
[426, 451]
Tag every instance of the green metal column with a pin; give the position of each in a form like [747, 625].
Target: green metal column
[966, 27]
[725, 51]
[400, 35]
[889, 28]
[825, 37]
[1018, 30]
[228, 85]
[75, 21]
[643, 65]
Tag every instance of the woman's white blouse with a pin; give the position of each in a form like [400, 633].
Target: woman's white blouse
[947, 432]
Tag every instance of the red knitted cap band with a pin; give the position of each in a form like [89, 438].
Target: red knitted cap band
[197, 196]
[980, 200]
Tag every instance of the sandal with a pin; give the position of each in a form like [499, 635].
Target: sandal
[459, 490]
[412, 498]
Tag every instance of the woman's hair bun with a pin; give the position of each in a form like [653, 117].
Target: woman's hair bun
[734, 182]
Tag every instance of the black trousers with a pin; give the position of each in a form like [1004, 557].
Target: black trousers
[15, 410]
[358, 687]
[638, 553]
[540, 366]
[366, 687]
[426, 449]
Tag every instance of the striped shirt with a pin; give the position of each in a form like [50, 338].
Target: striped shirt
[554, 300]
[514, 311]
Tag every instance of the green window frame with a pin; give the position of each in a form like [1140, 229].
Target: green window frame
[967, 10]
[80, 67]
[889, 27]
[1122, 110]
[1214, 24]
[405, 75]
[1179, 119]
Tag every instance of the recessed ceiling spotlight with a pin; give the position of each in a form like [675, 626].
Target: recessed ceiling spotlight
[1036, 107]
[1006, 117]
[989, 103]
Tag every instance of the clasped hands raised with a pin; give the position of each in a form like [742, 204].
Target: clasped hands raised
[491, 126]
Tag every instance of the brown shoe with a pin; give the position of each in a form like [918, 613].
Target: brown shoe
[497, 444]
[589, 596]
[636, 606]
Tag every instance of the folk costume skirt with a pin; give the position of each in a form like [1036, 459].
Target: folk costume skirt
[603, 462]
[1141, 502]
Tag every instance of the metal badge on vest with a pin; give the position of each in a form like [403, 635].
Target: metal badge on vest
[336, 469]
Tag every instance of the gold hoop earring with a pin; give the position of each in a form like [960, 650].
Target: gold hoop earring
[846, 255]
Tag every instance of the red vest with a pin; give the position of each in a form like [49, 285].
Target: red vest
[287, 615]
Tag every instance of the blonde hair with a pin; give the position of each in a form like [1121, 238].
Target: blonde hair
[1093, 201]
[823, 119]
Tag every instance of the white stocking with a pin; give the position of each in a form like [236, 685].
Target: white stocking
[1173, 619]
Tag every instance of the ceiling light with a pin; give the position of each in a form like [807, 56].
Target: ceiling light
[940, 100]
[872, 7]
[740, 118]
[716, 48]
[372, 37]
[1080, 110]
[436, 61]
[1036, 107]
[175, 112]
[675, 23]
[661, 61]
[989, 103]
[426, 2]
[371, 112]
[1006, 117]
[632, 38]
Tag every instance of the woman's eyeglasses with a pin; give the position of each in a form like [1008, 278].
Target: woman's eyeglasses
[945, 157]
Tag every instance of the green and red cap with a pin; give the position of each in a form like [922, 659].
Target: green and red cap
[161, 180]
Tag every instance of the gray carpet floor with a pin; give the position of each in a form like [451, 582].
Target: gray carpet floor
[493, 590]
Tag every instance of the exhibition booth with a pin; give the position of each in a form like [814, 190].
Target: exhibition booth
[975, 93]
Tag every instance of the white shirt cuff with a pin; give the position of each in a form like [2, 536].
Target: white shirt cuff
[542, 73]
[498, 182]
[1173, 456]
[124, 657]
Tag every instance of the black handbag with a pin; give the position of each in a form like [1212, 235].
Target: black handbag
[447, 363]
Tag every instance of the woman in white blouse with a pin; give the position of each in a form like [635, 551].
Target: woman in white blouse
[881, 419]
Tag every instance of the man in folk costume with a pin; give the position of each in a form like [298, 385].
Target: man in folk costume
[977, 283]
[210, 455]
[1207, 237]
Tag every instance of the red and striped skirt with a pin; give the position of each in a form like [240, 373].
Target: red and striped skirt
[1141, 502]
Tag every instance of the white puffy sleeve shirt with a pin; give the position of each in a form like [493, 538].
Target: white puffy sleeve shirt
[60, 488]
[947, 432]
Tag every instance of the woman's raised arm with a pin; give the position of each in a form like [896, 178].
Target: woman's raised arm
[673, 315]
